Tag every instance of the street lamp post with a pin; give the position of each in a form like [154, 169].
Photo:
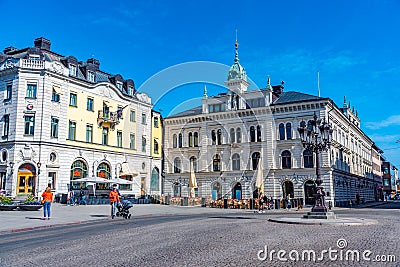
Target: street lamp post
[317, 139]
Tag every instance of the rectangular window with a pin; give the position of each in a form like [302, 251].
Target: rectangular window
[73, 100]
[90, 76]
[55, 96]
[72, 130]
[72, 70]
[131, 90]
[89, 133]
[52, 180]
[54, 127]
[132, 141]
[31, 91]
[89, 104]
[143, 144]
[119, 85]
[6, 127]
[8, 92]
[143, 118]
[155, 146]
[104, 140]
[119, 139]
[29, 124]
[155, 122]
[119, 112]
[34, 57]
[133, 116]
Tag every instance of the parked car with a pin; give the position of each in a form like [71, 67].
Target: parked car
[397, 197]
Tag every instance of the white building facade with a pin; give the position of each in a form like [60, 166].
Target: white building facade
[64, 120]
[231, 133]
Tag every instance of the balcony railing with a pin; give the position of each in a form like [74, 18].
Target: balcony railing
[32, 64]
[110, 118]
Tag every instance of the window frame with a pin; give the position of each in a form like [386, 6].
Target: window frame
[29, 128]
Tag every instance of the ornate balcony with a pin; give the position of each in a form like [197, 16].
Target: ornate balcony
[108, 119]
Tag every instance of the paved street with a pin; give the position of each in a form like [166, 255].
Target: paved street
[191, 236]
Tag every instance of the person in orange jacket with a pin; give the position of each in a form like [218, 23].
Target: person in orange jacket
[47, 199]
[114, 200]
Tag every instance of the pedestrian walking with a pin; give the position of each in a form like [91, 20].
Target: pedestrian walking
[47, 196]
[82, 200]
[288, 203]
[260, 203]
[71, 198]
[114, 200]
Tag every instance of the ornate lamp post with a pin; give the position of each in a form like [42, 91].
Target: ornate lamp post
[317, 139]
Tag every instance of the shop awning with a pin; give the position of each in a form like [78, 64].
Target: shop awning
[127, 171]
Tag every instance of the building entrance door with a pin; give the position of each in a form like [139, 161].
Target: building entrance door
[309, 191]
[25, 183]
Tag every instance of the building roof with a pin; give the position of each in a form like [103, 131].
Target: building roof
[190, 112]
[291, 96]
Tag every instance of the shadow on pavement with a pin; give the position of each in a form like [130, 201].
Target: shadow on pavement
[33, 218]
[99, 215]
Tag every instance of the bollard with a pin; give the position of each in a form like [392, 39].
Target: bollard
[225, 203]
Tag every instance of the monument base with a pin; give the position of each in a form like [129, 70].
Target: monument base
[320, 215]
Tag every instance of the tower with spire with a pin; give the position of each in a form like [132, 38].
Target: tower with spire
[237, 82]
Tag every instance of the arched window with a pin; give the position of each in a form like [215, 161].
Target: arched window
[174, 141]
[281, 131]
[308, 159]
[177, 165]
[238, 135]
[155, 181]
[219, 137]
[79, 170]
[190, 139]
[255, 158]
[180, 140]
[213, 137]
[235, 162]
[288, 130]
[286, 160]
[258, 133]
[217, 163]
[103, 171]
[196, 139]
[252, 134]
[232, 135]
[193, 161]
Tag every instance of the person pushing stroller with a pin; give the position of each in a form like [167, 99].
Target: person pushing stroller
[114, 200]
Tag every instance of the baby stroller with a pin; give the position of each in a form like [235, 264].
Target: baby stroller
[123, 209]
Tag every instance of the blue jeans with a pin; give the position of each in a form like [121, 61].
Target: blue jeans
[82, 201]
[114, 208]
[71, 201]
[46, 208]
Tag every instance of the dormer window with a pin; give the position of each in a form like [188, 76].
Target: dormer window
[119, 85]
[90, 76]
[34, 57]
[72, 70]
[130, 90]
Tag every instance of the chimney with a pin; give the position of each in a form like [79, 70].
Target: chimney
[94, 62]
[9, 49]
[42, 43]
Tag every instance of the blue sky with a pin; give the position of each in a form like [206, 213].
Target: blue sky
[353, 44]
